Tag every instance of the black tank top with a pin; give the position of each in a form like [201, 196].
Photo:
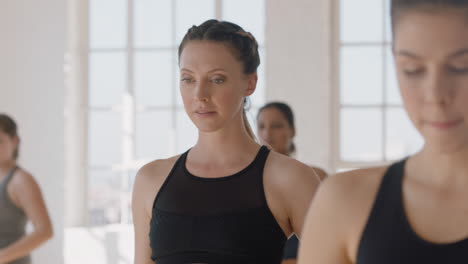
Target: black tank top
[388, 237]
[215, 220]
[291, 248]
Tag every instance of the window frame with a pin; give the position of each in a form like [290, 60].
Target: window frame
[339, 164]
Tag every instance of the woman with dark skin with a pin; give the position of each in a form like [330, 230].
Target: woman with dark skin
[276, 128]
[20, 201]
[226, 200]
[414, 211]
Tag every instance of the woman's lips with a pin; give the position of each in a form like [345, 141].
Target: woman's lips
[205, 113]
[444, 124]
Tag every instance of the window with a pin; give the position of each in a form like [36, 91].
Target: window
[371, 125]
[135, 113]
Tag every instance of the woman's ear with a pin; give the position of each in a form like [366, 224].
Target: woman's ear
[252, 84]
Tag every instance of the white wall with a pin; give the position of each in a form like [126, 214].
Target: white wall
[32, 44]
[298, 46]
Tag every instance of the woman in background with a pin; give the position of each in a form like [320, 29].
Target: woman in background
[20, 200]
[276, 128]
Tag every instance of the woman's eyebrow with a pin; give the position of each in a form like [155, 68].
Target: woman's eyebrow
[459, 53]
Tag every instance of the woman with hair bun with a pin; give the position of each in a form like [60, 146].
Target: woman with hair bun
[20, 201]
[226, 199]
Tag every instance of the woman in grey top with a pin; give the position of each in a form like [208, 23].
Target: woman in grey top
[20, 200]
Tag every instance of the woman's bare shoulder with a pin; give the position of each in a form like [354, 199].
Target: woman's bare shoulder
[148, 181]
[348, 197]
[286, 171]
[340, 210]
[23, 181]
[155, 172]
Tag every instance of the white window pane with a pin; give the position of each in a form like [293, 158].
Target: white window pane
[154, 135]
[402, 138]
[126, 196]
[361, 20]
[393, 91]
[153, 20]
[104, 197]
[153, 78]
[361, 75]
[249, 14]
[258, 97]
[361, 134]
[105, 137]
[130, 176]
[388, 25]
[107, 77]
[186, 132]
[108, 23]
[189, 13]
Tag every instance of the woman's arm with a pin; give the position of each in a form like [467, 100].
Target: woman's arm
[298, 193]
[25, 193]
[141, 218]
[148, 181]
[323, 237]
[289, 186]
[337, 217]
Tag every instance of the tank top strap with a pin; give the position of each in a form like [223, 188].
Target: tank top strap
[8, 178]
[389, 193]
[175, 170]
[262, 157]
[397, 174]
[386, 209]
[393, 179]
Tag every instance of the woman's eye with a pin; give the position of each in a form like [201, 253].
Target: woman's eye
[413, 71]
[458, 70]
[218, 80]
[185, 80]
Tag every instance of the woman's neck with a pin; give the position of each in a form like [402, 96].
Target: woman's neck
[448, 169]
[6, 166]
[226, 144]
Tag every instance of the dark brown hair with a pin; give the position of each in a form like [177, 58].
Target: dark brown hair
[288, 114]
[8, 126]
[243, 43]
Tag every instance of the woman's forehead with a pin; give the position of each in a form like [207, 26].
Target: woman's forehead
[431, 33]
[208, 55]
